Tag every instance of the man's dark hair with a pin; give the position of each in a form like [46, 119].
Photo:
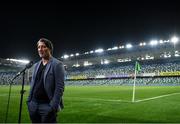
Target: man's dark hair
[47, 42]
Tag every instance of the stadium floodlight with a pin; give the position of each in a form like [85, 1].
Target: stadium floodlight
[72, 55]
[109, 49]
[127, 59]
[66, 56]
[149, 57]
[86, 53]
[77, 54]
[106, 61]
[174, 39]
[167, 56]
[119, 60]
[115, 48]
[161, 41]
[121, 47]
[142, 44]
[128, 46]
[99, 50]
[86, 63]
[177, 54]
[23, 61]
[153, 42]
[166, 41]
[91, 51]
[76, 65]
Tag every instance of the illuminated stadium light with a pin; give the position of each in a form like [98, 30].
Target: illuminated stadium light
[77, 54]
[105, 61]
[153, 42]
[115, 48]
[138, 58]
[127, 60]
[120, 60]
[174, 39]
[72, 55]
[166, 41]
[124, 60]
[100, 76]
[148, 57]
[128, 46]
[109, 49]
[99, 50]
[161, 41]
[177, 54]
[86, 63]
[66, 56]
[167, 56]
[76, 65]
[91, 51]
[121, 47]
[19, 60]
[86, 53]
[142, 44]
[142, 58]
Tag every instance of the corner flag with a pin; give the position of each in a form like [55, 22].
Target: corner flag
[137, 67]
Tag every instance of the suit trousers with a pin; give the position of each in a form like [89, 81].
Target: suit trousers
[41, 112]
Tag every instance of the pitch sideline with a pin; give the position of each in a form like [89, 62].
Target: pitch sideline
[119, 100]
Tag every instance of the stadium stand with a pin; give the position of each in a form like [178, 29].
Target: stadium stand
[8, 70]
[160, 65]
[152, 73]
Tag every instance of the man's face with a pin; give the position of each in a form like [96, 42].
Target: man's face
[43, 50]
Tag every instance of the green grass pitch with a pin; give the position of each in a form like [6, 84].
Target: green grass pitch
[104, 104]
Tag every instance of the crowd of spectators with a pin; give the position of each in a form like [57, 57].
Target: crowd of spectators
[92, 72]
[139, 81]
[118, 69]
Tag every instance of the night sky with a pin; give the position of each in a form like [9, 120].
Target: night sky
[83, 26]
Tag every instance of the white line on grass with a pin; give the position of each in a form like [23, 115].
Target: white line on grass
[119, 100]
[97, 99]
[156, 97]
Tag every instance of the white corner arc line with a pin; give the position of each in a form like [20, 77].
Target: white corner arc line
[98, 99]
[156, 97]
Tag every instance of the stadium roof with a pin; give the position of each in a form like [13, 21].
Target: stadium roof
[138, 52]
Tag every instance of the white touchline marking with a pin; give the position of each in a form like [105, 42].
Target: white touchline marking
[109, 100]
[114, 100]
[156, 97]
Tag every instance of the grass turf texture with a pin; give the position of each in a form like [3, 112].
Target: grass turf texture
[102, 104]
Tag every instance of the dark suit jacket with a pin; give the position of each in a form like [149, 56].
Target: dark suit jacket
[53, 82]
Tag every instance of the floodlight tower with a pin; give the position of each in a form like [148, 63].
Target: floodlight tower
[174, 40]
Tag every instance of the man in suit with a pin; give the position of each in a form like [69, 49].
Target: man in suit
[47, 85]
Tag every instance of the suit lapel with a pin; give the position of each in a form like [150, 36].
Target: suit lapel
[47, 69]
[38, 64]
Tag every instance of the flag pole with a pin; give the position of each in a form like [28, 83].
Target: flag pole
[133, 97]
